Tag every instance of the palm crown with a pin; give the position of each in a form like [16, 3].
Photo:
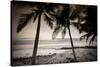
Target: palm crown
[38, 9]
[89, 26]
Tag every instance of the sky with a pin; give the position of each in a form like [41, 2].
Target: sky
[45, 32]
[30, 30]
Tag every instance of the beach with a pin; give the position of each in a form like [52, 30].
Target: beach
[82, 54]
[53, 52]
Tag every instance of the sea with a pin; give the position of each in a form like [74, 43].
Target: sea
[24, 48]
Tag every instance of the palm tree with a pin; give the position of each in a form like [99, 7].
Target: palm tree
[63, 23]
[39, 10]
[90, 25]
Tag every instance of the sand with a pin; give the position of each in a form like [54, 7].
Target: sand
[82, 54]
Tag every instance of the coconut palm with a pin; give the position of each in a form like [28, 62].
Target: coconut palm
[39, 10]
[90, 24]
[62, 24]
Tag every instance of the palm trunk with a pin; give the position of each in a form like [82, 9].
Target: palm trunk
[36, 42]
[72, 43]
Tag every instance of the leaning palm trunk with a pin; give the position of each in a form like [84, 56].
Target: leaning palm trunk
[36, 42]
[71, 42]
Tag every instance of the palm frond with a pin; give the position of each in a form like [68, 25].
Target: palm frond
[77, 25]
[63, 32]
[35, 17]
[88, 36]
[50, 8]
[23, 21]
[92, 39]
[83, 37]
[56, 31]
[49, 20]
